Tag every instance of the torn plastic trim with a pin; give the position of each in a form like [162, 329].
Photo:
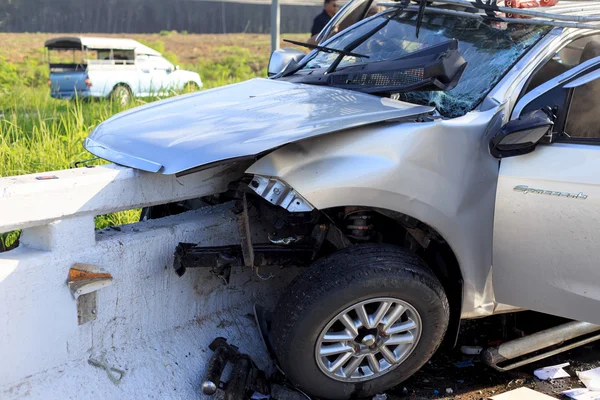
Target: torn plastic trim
[280, 194]
[119, 157]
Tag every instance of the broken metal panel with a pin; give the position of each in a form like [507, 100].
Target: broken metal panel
[279, 194]
[245, 375]
[188, 255]
[245, 234]
[348, 170]
[199, 130]
[83, 284]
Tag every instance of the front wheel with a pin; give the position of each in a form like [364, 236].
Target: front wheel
[359, 322]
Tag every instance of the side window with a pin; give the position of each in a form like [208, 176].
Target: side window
[582, 117]
[577, 103]
[125, 56]
[568, 57]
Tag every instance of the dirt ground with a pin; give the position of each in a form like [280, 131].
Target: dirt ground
[188, 47]
[452, 375]
[479, 381]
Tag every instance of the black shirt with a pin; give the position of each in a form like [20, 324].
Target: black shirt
[319, 23]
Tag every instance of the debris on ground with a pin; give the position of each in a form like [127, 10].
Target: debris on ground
[114, 374]
[471, 350]
[452, 374]
[581, 394]
[281, 392]
[479, 381]
[552, 372]
[245, 375]
[464, 364]
[521, 394]
[591, 380]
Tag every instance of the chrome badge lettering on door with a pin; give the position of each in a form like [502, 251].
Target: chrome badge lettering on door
[526, 189]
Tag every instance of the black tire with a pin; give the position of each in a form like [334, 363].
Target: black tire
[341, 280]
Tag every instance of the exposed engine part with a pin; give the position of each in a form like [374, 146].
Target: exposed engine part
[245, 375]
[319, 234]
[189, 255]
[245, 234]
[419, 236]
[279, 194]
[285, 240]
[269, 235]
[337, 238]
[358, 225]
[264, 318]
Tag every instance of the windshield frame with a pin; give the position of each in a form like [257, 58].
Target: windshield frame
[477, 103]
[313, 53]
[344, 12]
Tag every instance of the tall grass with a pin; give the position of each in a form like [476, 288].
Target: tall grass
[38, 133]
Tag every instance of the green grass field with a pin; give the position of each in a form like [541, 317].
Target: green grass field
[38, 133]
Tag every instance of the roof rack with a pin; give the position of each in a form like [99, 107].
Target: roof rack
[564, 17]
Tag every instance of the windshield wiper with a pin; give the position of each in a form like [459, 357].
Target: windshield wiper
[326, 49]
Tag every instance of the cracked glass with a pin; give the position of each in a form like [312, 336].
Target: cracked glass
[490, 49]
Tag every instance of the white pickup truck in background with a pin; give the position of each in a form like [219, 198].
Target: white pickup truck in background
[117, 68]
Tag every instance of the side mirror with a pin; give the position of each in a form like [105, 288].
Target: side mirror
[522, 135]
[281, 58]
[177, 68]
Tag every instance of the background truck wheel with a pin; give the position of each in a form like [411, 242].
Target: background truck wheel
[191, 87]
[121, 95]
[359, 322]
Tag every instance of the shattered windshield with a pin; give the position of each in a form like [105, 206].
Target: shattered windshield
[490, 49]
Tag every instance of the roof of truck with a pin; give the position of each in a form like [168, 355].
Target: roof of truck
[99, 43]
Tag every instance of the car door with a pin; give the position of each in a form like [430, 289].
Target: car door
[156, 75]
[144, 75]
[546, 249]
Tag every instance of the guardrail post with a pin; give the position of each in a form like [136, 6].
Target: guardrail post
[66, 234]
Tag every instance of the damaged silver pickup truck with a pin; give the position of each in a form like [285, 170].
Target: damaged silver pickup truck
[428, 164]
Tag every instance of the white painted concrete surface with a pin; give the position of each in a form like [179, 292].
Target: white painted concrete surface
[26, 201]
[150, 323]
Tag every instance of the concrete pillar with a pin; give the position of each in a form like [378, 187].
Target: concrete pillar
[275, 24]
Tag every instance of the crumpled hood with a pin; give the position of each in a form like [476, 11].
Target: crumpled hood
[240, 120]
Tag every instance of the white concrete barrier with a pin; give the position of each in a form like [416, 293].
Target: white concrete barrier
[152, 328]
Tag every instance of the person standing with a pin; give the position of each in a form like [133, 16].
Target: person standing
[330, 7]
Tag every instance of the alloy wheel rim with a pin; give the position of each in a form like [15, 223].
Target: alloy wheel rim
[368, 339]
